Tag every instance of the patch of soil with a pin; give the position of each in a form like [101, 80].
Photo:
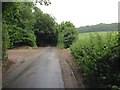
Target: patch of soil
[71, 76]
[6, 65]
[17, 56]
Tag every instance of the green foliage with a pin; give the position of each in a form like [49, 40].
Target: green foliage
[19, 18]
[97, 55]
[99, 27]
[17, 21]
[45, 28]
[5, 41]
[20, 37]
[69, 36]
[66, 34]
[27, 24]
[43, 2]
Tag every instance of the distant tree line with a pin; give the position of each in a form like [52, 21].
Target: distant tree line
[98, 27]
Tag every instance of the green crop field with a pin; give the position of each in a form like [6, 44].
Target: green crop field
[103, 34]
[97, 55]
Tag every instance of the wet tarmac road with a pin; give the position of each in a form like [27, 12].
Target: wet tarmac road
[40, 71]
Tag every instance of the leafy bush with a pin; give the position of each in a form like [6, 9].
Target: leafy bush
[69, 36]
[97, 55]
[45, 28]
[5, 41]
[66, 34]
[19, 36]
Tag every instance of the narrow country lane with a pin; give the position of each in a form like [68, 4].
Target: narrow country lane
[40, 71]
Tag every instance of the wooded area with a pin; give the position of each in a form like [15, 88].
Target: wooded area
[25, 24]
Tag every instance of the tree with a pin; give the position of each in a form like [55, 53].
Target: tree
[20, 24]
[17, 21]
[44, 27]
[45, 2]
[67, 34]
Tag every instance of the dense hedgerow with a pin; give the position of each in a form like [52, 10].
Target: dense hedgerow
[5, 41]
[20, 37]
[98, 56]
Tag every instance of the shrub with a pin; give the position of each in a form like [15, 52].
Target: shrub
[5, 41]
[97, 54]
[66, 35]
[20, 37]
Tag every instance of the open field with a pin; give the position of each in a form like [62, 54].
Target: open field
[103, 34]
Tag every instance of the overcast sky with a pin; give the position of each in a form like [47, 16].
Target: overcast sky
[83, 12]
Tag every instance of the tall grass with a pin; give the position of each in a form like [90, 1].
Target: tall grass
[97, 55]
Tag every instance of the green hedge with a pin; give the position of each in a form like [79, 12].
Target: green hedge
[98, 56]
[5, 41]
[19, 36]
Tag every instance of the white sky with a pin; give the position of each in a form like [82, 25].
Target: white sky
[83, 12]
